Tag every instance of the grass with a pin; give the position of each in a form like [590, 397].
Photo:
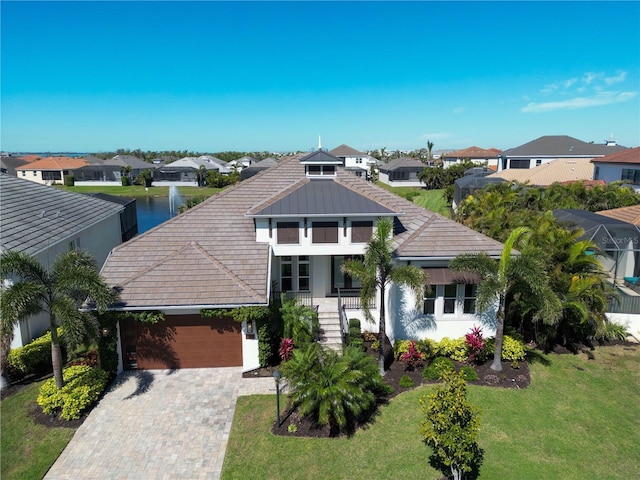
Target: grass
[28, 449]
[430, 199]
[577, 420]
[135, 191]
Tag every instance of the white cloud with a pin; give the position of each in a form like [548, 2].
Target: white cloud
[621, 76]
[601, 98]
[458, 110]
[590, 77]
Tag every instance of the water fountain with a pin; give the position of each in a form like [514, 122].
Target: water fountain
[175, 200]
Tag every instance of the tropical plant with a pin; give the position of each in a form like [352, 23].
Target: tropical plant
[450, 427]
[286, 349]
[475, 344]
[501, 278]
[412, 357]
[332, 389]
[377, 271]
[300, 323]
[59, 293]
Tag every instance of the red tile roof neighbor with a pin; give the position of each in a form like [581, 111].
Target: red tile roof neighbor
[473, 152]
[55, 163]
[630, 155]
[208, 256]
[625, 214]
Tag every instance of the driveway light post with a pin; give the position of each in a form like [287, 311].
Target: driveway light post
[276, 376]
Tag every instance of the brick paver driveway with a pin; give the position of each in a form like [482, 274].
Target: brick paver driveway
[159, 424]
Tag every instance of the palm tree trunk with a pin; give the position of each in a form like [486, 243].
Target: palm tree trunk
[496, 366]
[56, 358]
[382, 332]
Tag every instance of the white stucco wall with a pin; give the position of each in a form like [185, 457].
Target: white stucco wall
[250, 358]
[629, 320]
[612, 172]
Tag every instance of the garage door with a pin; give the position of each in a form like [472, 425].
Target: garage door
[182, 341]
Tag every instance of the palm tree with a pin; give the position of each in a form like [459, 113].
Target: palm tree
[429, 148]
[501, 279]
[377, 270]
[59, 292]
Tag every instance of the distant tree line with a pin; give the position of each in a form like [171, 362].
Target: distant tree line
[150, 155]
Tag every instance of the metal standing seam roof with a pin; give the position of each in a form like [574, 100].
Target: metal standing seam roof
[34, 216]
[208, 256]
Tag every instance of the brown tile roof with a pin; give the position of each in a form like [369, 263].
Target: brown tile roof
[345, 151]
[474, 152]
[208, 256]
[55, 163]
[630, 155]
[625, 214]
[560, 170]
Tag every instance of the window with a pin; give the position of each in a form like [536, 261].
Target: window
[400, 175]
[631, 175]
[596, 173]
[429, 307]
[50, 175]
[450, 294]
[339, 279]
[361, 231]
[24, 173]
[522, 163]
[316, 170]
[286, 274]
[303, 273]
[288, 233]
[538, 162]
[358, 160]
[470, 293]
[324, 232]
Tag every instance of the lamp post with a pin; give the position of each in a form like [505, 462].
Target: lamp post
[276, 376]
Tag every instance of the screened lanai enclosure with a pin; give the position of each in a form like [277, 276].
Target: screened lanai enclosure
[618, 242]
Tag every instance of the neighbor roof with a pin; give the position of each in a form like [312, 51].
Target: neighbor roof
[473, 152]
[55, 163]
[559, 170]
[561, 146]
[403, 162]
[624, 214]
[321, 156]
[34, 216]
[630, 155]
[345, 151]
[129, 161]
[208, 256]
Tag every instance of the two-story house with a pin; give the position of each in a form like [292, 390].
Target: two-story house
[354, 160]
[623, 166]
[287, 229]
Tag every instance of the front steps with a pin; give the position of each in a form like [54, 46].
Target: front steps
[330, 331]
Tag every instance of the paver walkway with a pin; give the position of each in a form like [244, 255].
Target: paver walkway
[159, 424]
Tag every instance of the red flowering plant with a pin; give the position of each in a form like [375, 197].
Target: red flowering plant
[286, 349]
[412, 357]
[475, 344]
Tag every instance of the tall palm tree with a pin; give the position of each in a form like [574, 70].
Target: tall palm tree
[377, 270]
[502, 278]
[59, 293]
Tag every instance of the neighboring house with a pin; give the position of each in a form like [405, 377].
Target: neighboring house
[402, 172]
[358, 162]
[477, 155]
[257, 168]
[44, 221]
[241, 163]
[50, 170]
[623, 166]
[561, 170]
[110, 172]
[625, 214]
[552, 147]
[184, 172]
[474, 179]
[8, 164]
[287, 229]
[128, 216]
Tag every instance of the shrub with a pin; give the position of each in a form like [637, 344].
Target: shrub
[468, 373]
[512, 349]
[83, 386]
[455, 349]
[286, 349]
[34, 358]
[435, 368]
[267, 345]
[475, 345]
[412, 357]
[406, 381]
[370, 336]
[354, 323]
[69, 181]
[355, 334]
[611, 331]
[375, 345]
[428, 348]
[400, 347]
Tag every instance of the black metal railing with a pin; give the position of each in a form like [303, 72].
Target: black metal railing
[349, 298]
[303, 297]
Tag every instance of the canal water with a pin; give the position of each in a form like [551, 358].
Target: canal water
[152, 211]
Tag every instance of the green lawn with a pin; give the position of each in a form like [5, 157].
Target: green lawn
[134, 191]
[430, 199]
[578, 420]
[28, 449]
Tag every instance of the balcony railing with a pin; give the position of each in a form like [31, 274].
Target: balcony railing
[349, 298]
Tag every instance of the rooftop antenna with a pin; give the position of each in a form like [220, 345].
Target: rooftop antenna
[319, 143]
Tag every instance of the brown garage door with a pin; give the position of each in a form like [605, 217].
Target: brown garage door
[182, 341]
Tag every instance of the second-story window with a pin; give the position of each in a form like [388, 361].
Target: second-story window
[361, 231]
[324, 232]
[288, 232]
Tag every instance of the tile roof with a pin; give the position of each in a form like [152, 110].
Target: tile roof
[34, 216]
[344, 151]
[560, 170]
[560, 146]
[55, 163]
[630, 155]
[473, 152]
[402, 162]
[208, 256]
[624, 214]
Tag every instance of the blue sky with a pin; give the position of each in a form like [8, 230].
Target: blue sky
[215, 76]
